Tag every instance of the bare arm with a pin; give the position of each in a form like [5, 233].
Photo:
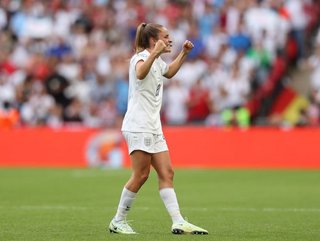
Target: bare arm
[179, 60]
[143, 67]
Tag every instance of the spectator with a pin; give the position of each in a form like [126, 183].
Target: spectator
[198, 103]
[236, 89]
[175, 103]
[74, 112]
[207, 21]
[195, 38]
[56, 85]
[36, 109]
[298, 20]
[213, 81]
[78, 52]
[215, 41]
[240, 40]
[9, 116]
[262, 60]
[313, 63]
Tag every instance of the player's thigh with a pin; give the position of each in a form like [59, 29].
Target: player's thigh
[141, 161]
[161, 162]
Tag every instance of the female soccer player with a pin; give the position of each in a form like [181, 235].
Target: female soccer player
[142, 127]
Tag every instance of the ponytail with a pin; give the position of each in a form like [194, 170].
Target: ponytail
[144, 33]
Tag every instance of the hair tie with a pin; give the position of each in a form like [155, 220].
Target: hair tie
[144, 25]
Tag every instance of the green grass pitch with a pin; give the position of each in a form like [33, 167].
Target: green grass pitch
[77, 204]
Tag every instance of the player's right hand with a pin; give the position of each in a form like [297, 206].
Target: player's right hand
[160, 47]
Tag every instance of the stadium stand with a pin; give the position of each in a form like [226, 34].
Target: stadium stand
[65, 62]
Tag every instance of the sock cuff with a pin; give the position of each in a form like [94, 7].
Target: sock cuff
[166, 191]
[129, 193]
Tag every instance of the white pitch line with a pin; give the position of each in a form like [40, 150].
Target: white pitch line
[45, 207]
[218, 209]
[268, 209]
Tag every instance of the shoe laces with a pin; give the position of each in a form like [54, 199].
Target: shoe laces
[124, 224]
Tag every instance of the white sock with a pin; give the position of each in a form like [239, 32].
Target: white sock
[169, 199]
[126, 200]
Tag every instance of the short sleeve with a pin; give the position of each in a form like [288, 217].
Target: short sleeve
[140, 56]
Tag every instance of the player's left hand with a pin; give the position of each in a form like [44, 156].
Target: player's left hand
[187, 46]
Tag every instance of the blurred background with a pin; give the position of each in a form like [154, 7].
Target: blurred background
[255, 69]
[255, 62]
[250, 83]
[248, 97]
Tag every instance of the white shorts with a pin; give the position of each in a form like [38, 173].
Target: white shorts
[151, 143]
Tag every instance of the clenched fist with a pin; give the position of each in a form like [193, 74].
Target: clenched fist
[187, 46]
[160, 47]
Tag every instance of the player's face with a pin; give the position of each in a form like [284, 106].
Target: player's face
[165, 37]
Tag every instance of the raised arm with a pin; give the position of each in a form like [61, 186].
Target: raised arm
[143, 67]
[179, 60]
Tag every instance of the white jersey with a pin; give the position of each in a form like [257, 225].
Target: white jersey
[145, 97]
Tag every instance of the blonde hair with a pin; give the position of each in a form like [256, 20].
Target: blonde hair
[145, 31]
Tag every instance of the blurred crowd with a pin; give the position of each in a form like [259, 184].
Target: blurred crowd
[65, 62]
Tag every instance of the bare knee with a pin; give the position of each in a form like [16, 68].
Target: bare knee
[137, 180]
[166, 178]
[170, 174]
[142, 177]
[141, 162]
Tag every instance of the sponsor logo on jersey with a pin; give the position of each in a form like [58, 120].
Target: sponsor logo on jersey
[158, 89]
